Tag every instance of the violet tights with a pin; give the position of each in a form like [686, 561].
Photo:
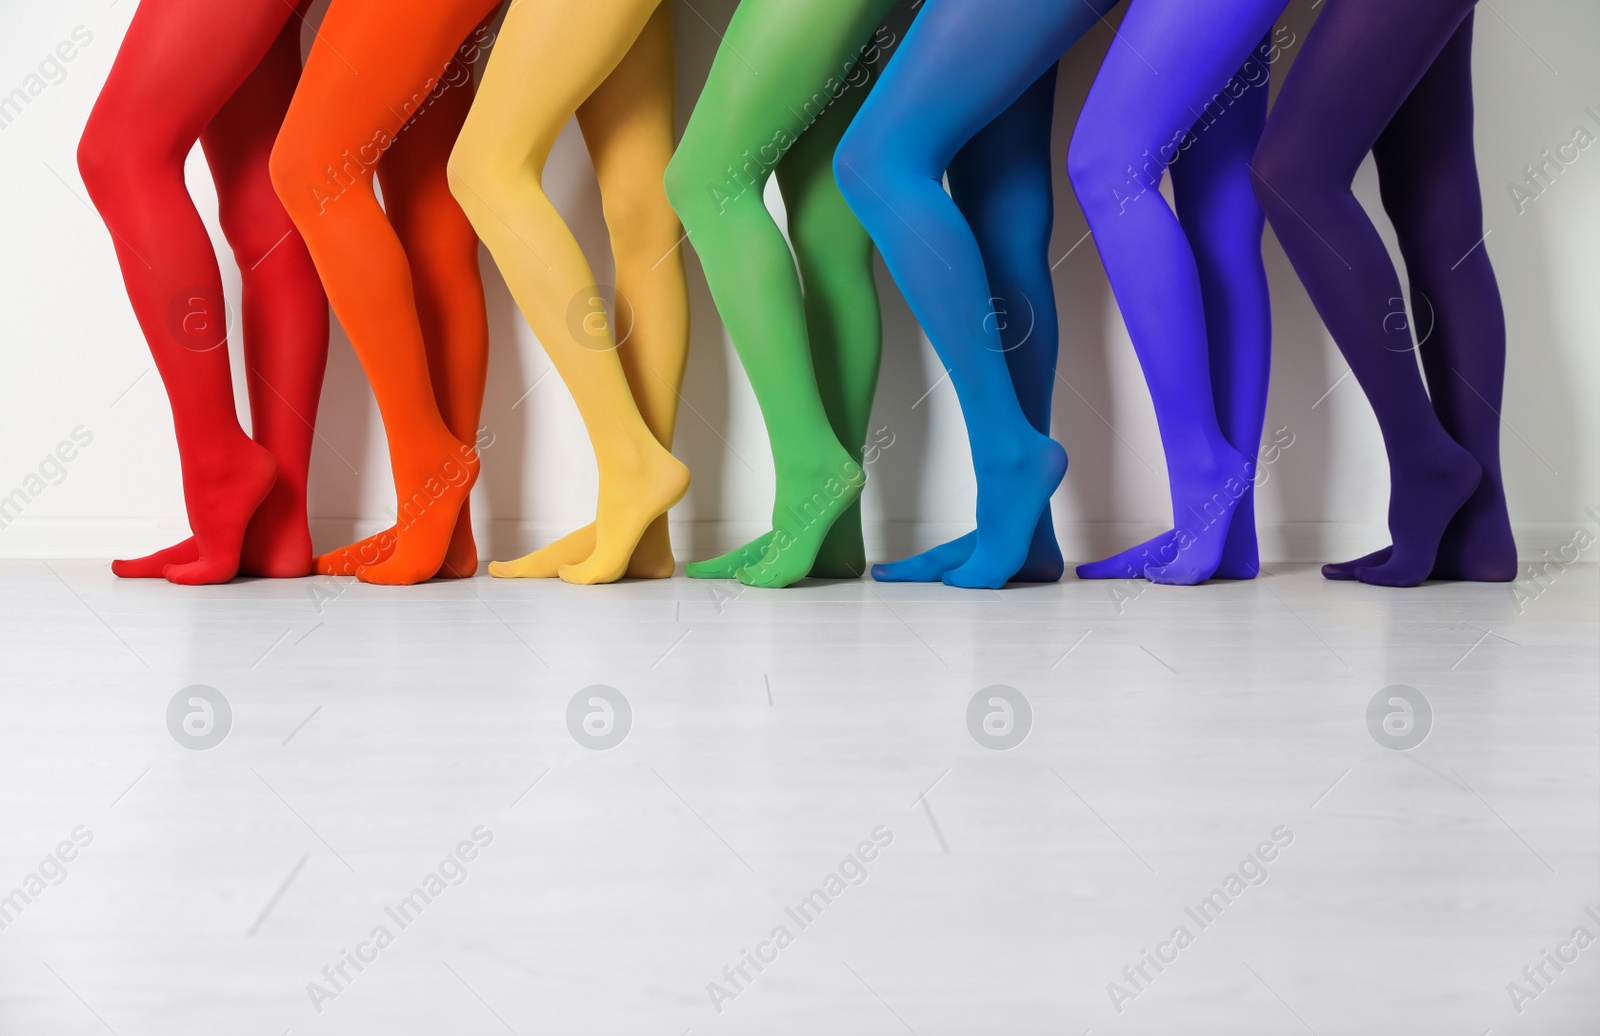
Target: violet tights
[1396, 80]
[1185, 85]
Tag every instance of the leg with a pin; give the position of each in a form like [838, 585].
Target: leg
[843, 322]
[843, 319]
[1001, 182]
[285, 313]
[1217, 210]
[628, 125]
[284, 319]
[495, 173]
[777, 74]
[935, 97]
[1216, 206]
[442, 249]
[1331, 112]
[1429, 176]
[1131, 129]
[156, 103]
[372, 66]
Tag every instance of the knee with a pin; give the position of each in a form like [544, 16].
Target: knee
[640, 220]
[461, 173]
[863, 167]
[295, 177]
[816, 231]
[690, 187]
[1109, 171]
[104, 162]
[1443, 215]
[705, 179]
[471, 171]
[310, 176]
[1282, 175]
[95, 161]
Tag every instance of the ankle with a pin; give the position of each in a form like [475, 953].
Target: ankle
[631, 456]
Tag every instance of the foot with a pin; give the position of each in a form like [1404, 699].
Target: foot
[1346, 570]
[929, 566]
[1477, 545]
[545, 562]
[1043, 564]
[1206, 508]
[277, 545]
[652, 558]
[1240, 556]
[725, 566]
[1131, 563]
[461, 557]
[631, 499]
[221, 504]
[808, 506]
[1477, 548]
[151, 565]
[842, 555]
[1423, 499]
[1012, 493]
[430, 501]
[347, 559]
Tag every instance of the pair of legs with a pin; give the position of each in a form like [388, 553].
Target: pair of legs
[611, 63]
[1396, 80]
[385, 92]
[189, 70]
[971, 96]
[1185, 87]
[1000, 182]
[783, 87]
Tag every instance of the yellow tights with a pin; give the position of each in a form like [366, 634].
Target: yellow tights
[611, 63]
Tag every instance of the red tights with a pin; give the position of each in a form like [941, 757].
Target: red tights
[221, 74]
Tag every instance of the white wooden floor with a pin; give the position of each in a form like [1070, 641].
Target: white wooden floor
[1173, 730]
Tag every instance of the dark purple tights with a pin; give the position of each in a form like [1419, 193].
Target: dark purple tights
[1395, 79]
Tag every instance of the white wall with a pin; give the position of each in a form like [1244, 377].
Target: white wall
[72, 354]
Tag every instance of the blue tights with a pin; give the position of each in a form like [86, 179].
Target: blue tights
[1000, 182]
[961, 258]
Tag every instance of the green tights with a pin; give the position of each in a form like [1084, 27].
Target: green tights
[784, 85]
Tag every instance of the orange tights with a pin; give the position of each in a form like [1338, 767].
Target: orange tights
[385, 93]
